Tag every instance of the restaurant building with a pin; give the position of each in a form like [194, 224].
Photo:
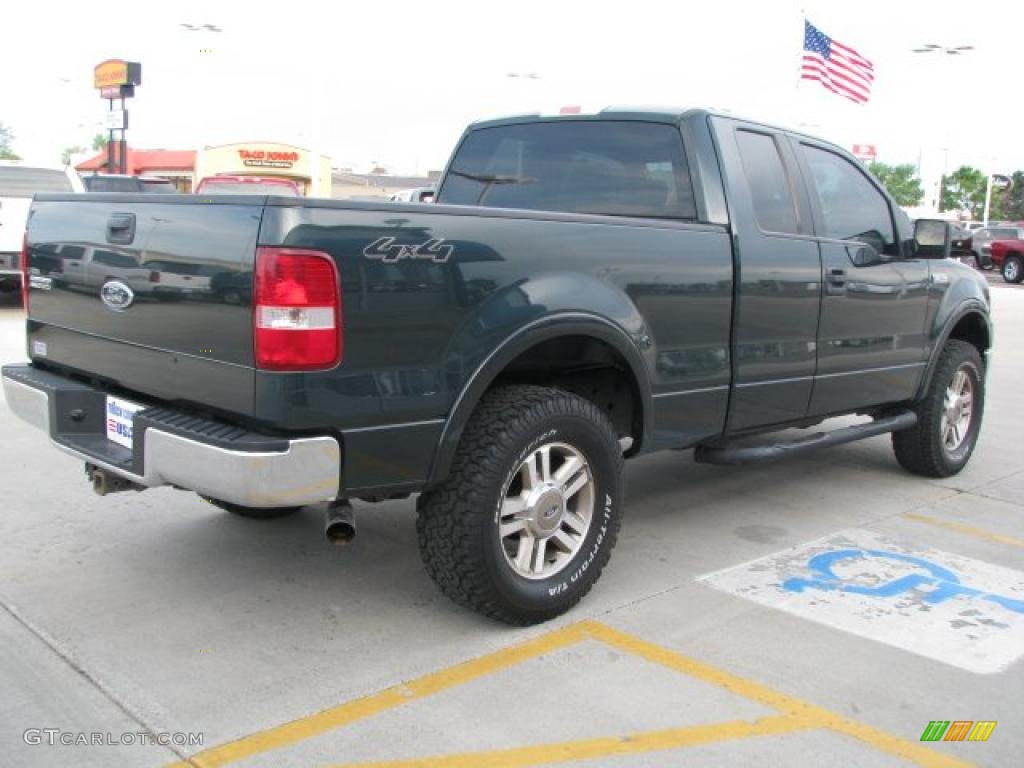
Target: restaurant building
[186, 168]
[178, 166]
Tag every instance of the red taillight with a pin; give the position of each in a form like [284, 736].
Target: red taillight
[296, 310]
[25, 285]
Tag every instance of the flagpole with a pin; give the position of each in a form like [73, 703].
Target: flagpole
[798, 105]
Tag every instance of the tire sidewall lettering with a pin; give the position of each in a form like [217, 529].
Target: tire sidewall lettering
[561, 584]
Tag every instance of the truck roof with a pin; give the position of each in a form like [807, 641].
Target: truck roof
[653, 114]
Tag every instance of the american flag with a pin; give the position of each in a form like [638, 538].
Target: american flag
[837, 67]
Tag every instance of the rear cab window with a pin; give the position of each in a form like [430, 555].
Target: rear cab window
[604, 167]
[770, 188]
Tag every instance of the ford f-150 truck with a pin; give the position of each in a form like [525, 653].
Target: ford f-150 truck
[585, 289]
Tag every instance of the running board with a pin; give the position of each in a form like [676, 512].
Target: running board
[755, 453]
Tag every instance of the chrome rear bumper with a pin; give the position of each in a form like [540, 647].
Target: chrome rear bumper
[295, 472]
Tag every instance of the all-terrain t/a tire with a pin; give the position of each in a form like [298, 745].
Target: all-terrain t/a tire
[523, 525]
[949, 416]
[253, 513]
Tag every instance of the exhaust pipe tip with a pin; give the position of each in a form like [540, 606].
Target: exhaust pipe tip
[340, 523]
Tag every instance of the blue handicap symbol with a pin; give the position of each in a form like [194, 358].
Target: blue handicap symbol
[945, 584]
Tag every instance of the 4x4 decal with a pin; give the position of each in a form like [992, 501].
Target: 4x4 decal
[387, 250]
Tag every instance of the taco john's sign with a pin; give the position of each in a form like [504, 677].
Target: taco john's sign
[114, 73]
[261, 158]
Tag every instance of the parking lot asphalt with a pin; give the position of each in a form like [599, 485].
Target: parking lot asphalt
[156, 613]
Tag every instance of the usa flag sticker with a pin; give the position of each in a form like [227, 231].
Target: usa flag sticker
[120, 420]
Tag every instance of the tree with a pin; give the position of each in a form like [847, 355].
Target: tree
[65, 156]
[902, 182]
[6, 137]
[1009, 204]
[100, 141]
[964, 189]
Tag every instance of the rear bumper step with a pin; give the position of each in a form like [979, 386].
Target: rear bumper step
[171, 448]
[755, 453]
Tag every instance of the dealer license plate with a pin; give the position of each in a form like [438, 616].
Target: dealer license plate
[120, 418]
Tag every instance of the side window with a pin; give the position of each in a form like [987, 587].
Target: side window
[853, 209]
[769, 184]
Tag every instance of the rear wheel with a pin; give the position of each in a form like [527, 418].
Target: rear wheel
[1012, 269]
[949, 416]
[253, 513]
[526, 520]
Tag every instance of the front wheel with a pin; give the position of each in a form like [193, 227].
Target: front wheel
[526, 520]
[949, 416]
[1012, 269]
[982, 262]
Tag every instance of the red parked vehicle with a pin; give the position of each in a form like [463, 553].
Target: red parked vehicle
[247, 185]
[1008, 256]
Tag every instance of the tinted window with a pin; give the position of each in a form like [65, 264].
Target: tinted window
[603, 167]
[113, 259]
[247, 188]
[111, 184]
[769, 185]
[25, 182]
[159, 187]
[853, 209]
[1004, 234]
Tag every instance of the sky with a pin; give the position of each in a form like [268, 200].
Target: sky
[396, 82]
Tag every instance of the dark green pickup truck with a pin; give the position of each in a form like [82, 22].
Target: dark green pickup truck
[584, 289]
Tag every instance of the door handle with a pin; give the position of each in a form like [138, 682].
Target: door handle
[835, 282]
[121, 228]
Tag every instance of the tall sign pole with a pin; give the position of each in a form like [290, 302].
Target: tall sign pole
[116, 79]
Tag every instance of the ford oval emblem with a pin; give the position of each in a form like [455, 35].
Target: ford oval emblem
[116, 295]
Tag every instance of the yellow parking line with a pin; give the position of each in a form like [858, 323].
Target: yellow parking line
[796, 714]
[344, 714]
[803, 713]
[970, 530]
[566, 751]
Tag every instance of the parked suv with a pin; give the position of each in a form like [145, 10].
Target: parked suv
[112, 182]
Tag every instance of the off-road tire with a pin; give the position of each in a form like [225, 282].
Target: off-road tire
[920, 449]
[457, 523]
[253, 513]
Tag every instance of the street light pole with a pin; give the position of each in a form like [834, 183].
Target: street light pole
[949, 50]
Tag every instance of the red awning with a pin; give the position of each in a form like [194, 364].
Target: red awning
[142, 160]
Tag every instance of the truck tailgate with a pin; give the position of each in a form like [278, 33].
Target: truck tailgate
[151, 295]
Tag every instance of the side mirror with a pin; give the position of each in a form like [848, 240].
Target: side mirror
[933, 238]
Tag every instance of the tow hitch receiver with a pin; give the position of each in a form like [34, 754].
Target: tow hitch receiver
[104, 482]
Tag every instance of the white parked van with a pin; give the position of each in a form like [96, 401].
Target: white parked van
[18, 183]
